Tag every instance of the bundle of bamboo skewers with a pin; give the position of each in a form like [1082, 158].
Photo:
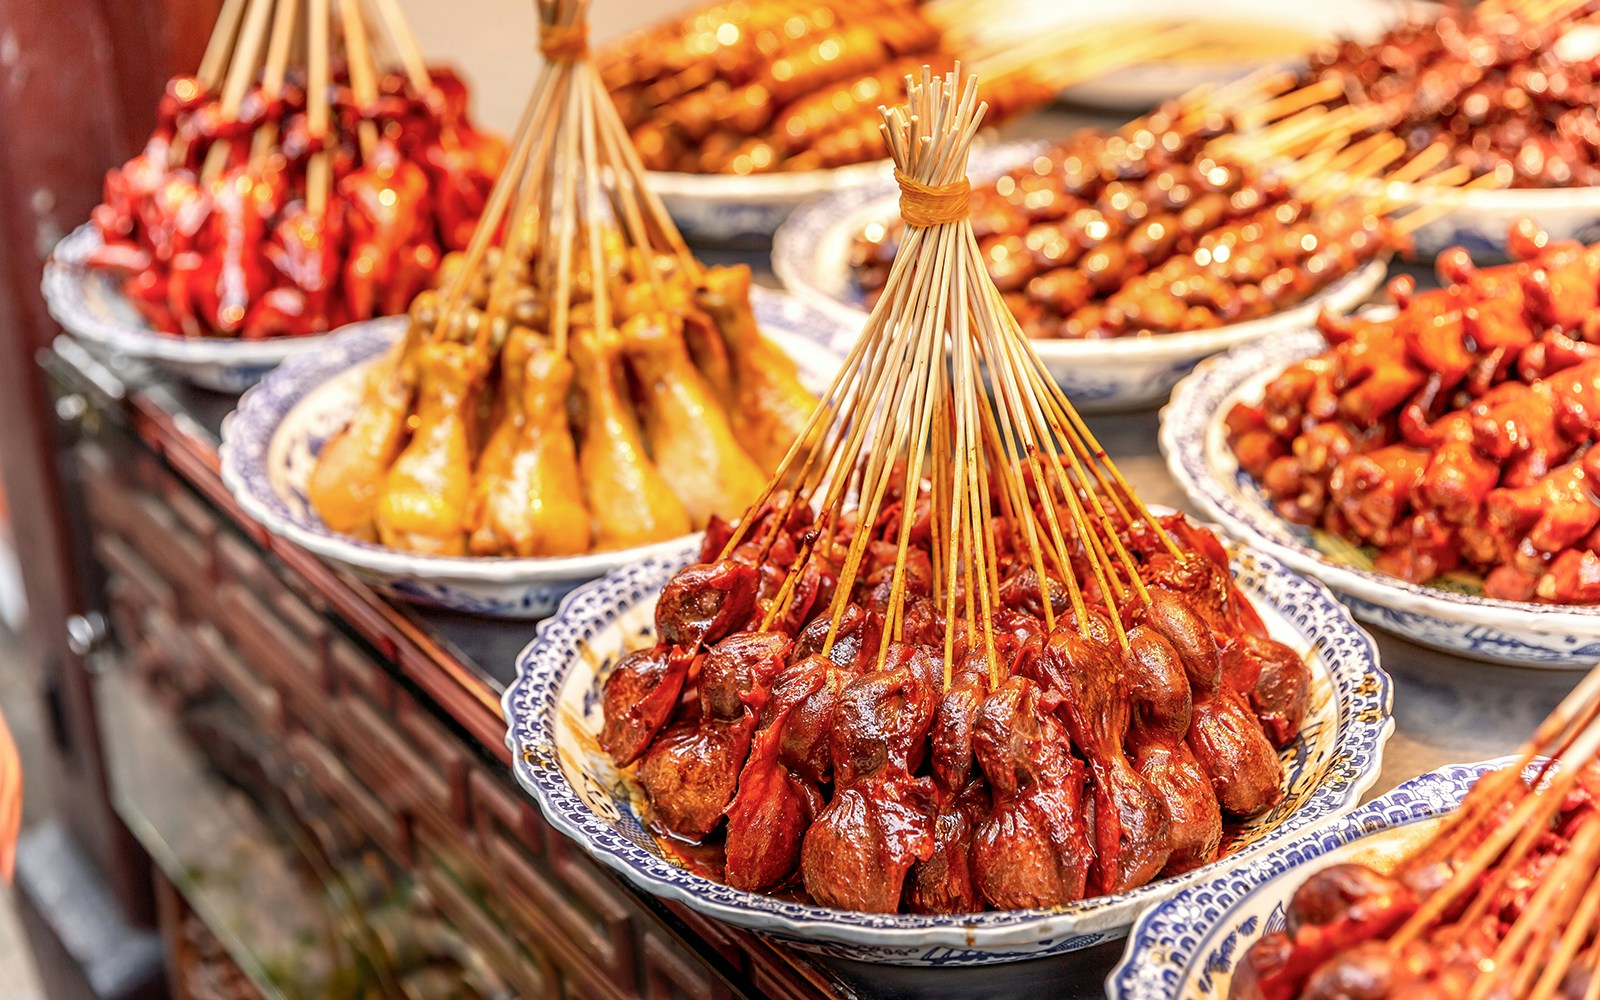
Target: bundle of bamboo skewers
[1502, 900]
[936, 575]
[579, 381]
[290, 186]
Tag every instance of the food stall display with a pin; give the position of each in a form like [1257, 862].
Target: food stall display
[948, 631]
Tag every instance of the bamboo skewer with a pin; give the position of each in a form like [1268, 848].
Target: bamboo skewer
[319, 172]
[363, 74]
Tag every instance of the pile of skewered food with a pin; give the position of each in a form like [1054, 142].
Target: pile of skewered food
[948, 661]
[1490, 81]
[762, 86]
[1501, 900]
[1455, 435]
[586, 386]
[276, 201]
[1141, 232]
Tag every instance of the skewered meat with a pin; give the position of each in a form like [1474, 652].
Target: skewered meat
[1163, 711]
[346, 482]
[1460, 432]
[422, 506]
[878, 823]
[1131, 821]
[527, 494]
[689, 435]
[1494, 86]
[238, 253]
[959, 722]
[640, 694]
[630, 500]
[1084, 254]
[1496, 901]
[766, 86]
[769, 408]
[1034, 848]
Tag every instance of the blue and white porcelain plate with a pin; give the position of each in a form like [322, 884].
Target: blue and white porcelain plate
[811, 256]
[270, 444]
[89, 304]
[1187, 947]
[1194, 438]
[553, 712]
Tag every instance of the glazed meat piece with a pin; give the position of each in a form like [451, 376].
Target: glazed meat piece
[774, 806]
[1033, 850]
[1224, 735]
[950, 738]
[947, 882]
[1227, 740]
[1131, 823]
[638, 698]
[691, 771]
[1373, 489]
[736, 675]
[1282, 692]
[879, 822]
[1338, 909]
[1162, 712]
[705, 602]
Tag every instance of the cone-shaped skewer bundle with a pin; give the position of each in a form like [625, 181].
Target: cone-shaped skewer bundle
[934, 575]
[578, 381]
[290, 186]
[1502, 899]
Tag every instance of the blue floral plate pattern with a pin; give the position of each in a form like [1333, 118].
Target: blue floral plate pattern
[1187, 947]
[1194, 439]
[553, 710]
[811, 256]
[270, 444]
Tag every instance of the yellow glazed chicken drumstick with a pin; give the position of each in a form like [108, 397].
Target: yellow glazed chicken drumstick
[578, 381]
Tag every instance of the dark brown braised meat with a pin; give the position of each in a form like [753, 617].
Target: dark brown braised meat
[1131, 824]
[705, 602]
[1163, 709]
[1455, 436]
[880, 820]
[639, 696]
[1033, 850]
[1089, 768]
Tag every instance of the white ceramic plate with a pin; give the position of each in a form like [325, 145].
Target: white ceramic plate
[1194, 439]
[90, 305]
[811, 256]
[1187, 947]
[553, 712]
[270, 444]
